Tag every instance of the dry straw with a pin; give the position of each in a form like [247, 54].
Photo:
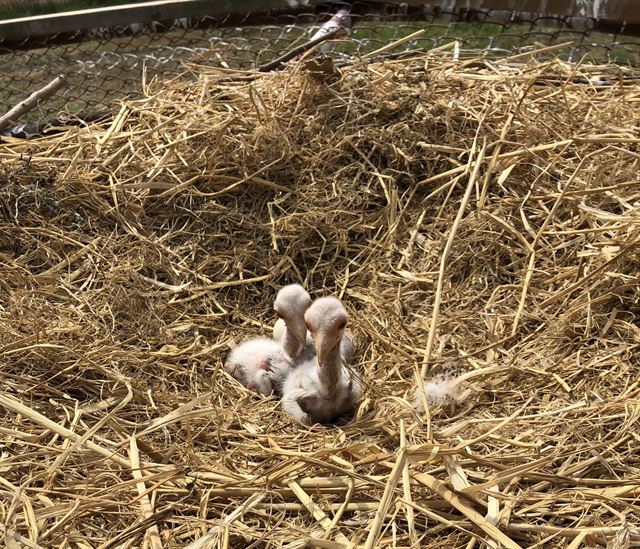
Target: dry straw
[473, 213]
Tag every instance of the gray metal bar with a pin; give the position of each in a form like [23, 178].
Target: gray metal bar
[163, 10]
[619, 11]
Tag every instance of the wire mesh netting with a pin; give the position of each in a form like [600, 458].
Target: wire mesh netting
[104, 64]
[479, 220]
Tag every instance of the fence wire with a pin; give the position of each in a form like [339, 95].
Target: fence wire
[105, 64]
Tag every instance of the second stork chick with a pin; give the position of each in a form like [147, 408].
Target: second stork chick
[259, 364]
[321, 388]
[262, 364]
[290, 305]
[293, 324]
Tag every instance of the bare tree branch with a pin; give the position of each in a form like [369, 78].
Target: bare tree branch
[30, 102]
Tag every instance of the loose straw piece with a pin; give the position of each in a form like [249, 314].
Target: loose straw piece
[316, 512]
[443, 262]
[19, 408]
[152, 535]
[386, 500]
[206, 540]
[406, 489]
[394, 44]
[491, 530]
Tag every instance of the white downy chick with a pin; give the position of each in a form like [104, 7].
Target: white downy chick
[262, 364]
[321, 388]
[259, 364]
[290, 305]
[347, 344]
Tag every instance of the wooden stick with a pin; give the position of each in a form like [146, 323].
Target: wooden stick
[279, 61]
[32, 101]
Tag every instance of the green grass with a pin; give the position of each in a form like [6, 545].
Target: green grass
[499, 39]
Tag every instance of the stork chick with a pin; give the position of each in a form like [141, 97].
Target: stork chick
[259, 364]
[263, 364]
[321, 388]
[290, 305]
[290, 308]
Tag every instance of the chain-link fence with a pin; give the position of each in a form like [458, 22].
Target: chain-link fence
[104, 64]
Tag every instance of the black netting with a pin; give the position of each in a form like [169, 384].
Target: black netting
[107, 63]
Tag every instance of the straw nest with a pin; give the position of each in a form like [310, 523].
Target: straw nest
[474, 216]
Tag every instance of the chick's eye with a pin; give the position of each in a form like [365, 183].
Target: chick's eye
[278, 314]
[342, 325]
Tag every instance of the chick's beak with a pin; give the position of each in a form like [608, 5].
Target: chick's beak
[278, 329]
[299, 331]
[320, 343]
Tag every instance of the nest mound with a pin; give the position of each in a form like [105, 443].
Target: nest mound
[482, 215]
